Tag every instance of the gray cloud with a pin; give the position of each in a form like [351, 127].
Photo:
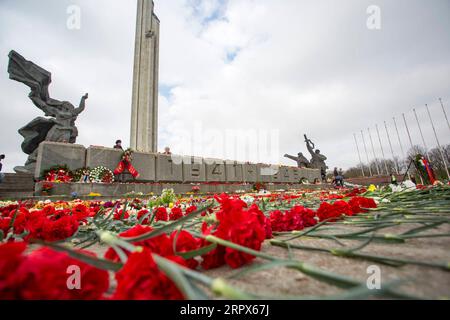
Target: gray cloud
[300, 67]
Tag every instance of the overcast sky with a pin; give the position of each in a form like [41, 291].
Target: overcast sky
[281, 68]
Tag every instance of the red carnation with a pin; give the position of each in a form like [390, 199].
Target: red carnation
[335, 210]
[236, 225]
[48, 210]
[245, 234]
[263, 220]
[161, 244]
[45, 275]
[121, 215]
[140, 279]
[161, 214]
[10, 259]
[358, 204]
[142, 213]
[277, 221]
[307, 216]
[60, 226]
[5, 224]
[81, 212]
[214, 258]
[175, 214]
[191, 209]
[185, 243]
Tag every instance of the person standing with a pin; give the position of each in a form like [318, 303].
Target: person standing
[341, 175]
[118, 145]
[2, 175]
[394, 179]
[167, 151]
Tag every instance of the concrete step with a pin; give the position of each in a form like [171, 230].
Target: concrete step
[17, 186]
[375, 180]
[16, 195]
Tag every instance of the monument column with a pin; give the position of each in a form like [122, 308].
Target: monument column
[144, 113]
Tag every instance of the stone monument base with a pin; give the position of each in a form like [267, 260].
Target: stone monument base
[118, 190]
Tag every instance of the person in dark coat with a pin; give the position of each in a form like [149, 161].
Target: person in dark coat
[118, 145]
[2, 175]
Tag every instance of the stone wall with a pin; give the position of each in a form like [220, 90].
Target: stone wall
[51, 154]
[82, 190]
[169, 169]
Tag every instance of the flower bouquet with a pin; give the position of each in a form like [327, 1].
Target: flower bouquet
[58, 174]
[101, 174]
[47, 187]
[125, 164]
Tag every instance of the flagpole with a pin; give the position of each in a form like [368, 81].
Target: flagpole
[382, 150]
[438, 143]
[359, 155]
[373, 150]
[445, 113]
[367, 154]
[401, 145]
[421, 134]
[392, 149]
[410, 140]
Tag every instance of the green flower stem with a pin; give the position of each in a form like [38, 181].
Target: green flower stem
[322, 275]
[174, 272]
[304, 233]
[422, 228]
[353, 254]
[112, 240]
[416, 236]
[222, 288]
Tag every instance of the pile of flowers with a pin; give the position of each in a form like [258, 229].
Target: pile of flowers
[61, 174]
[48, 223]
[127, 227]
[297, 218]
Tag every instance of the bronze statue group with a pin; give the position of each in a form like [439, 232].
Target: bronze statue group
[317, 160]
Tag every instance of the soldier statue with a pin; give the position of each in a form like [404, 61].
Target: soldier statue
[318, 159]
[301, 160]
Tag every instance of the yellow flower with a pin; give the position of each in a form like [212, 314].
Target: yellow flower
[171, 205]
[92, 194]
[372, 188]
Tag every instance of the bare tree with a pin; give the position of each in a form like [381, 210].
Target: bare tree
[435, 159]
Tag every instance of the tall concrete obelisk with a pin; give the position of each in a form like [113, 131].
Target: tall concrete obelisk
[144, 113]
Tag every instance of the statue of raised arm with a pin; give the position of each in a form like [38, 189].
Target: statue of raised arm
[60, 127]
[309, 145]
[318, 159]
[82, 105]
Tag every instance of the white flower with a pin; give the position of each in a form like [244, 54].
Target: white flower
[248, 199]
[408, 184]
